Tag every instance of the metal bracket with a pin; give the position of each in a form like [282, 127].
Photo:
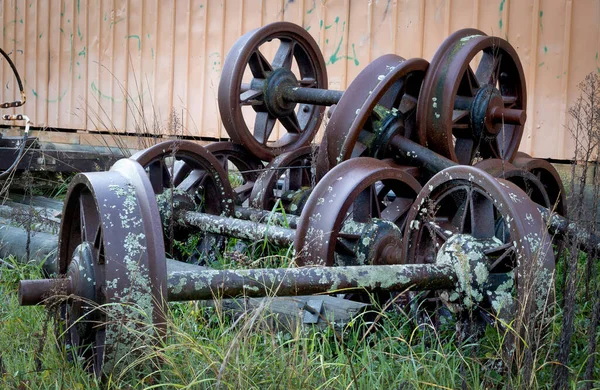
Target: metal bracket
[312, 311]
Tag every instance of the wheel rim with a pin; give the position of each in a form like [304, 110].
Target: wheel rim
[459, 108]
[112, 216]
[354, 193]
[246, 167]
[296, 166]
[297, 48]
[184, 174]
[387, 87]
[465, 200]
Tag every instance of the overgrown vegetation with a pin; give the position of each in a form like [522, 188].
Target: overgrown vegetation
[386, 347]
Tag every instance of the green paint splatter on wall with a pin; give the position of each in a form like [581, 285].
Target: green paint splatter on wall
[21, 21]
[541, 64]
[307, 28]
[79, 33]
[314, 7]
[500, 23]
[502, 5]
[40, 36]
[545, 49]
[100, 94]
[115, 22]
[152, 51]
[138, 39]
[541, 22]
[82, 52]
[78, 6]
[58, 99]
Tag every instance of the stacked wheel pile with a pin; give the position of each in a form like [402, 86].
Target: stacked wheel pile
[417, 183]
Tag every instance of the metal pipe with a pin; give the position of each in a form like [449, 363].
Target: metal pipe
[233, 227]
[321, 97]
[419, 155]
[264, 216]
[207, 284]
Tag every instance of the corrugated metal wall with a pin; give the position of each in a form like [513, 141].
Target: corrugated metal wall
[108, 64]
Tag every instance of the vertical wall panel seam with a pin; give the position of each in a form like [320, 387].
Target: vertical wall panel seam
[204, 74]
[532, 80]
[505, 13]
[564, 85]
[346, 33]
[128, 61]
[447, 16]
[222, 56]
[422, 26]
[172, 70]
[370, 30]
[187, 121]
[476, 14]
[394, 16]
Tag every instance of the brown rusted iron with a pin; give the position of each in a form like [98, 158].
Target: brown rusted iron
[351, 195]
[245, 164]
[380, 102]
[184, 175]
[466, 113]
[501, 229]
[111, 246]
[265, 92]
[296, 166]
[549, 178]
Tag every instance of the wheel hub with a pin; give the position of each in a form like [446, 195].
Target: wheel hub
[486, 101]
[274, 86]
[467, 255]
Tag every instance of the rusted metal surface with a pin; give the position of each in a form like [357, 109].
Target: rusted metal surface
[297, 167]
[248, 230]
[469, 112]
[510, 242]
[351, 195]
[525, 180]
[184, 175]
[207, 284]
[115, 213]
[296, 50]
[386, 91]
[549, 178]
[244, 164]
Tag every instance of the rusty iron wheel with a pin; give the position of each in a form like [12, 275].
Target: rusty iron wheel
[525, 180]
[382, 97]
[297, 51]
[343, 206]
[549, 177]
[184, 175]
[242, 167]
[110, 242]
[470, 113]
[296, 167]
[514, 246]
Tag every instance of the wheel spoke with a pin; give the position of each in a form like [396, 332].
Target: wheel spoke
[457, 115]
[192, 180]
[472, 80]
[489, 68]
[462, 212]
[393, 95]
[308, 82]
[291, 124]
[464, 149]
[259, 66]
[156, 173]
[504, 260]
[509, 101]
[88, 216]
[482, 216]
[263, 127]
[358, 150]
[251, 98]
[285, 54]
[407, 104]
[397, 209]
